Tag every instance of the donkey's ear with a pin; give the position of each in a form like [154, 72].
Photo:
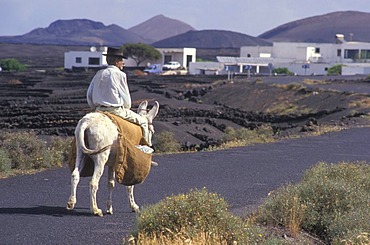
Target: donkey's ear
[142, 107]
[154, 111]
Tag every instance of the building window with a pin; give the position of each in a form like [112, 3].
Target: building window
[365, 54]
[317, 50]
[78, 60]
[351, 54]
[94, 61]
[339, 52]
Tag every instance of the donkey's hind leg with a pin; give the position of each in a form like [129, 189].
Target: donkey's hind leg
[99, 162]
[111, 183]
[75, 179]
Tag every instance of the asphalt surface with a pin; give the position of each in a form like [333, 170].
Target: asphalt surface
[32, 207]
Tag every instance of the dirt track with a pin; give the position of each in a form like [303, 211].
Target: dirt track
[196, 108]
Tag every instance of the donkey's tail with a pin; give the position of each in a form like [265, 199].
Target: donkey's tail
[82, 125]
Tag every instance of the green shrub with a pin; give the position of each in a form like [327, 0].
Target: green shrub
[335, 70]
[191, 214]
[261, 134]
[5, 161]
[282, 70]
[25, 150]
[166, 142]
[333, 202]
[59, 150]
[12, 65]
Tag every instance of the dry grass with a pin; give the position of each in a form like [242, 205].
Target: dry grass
[360, 103]
[296, 217]
[180, 238]
[315, 82]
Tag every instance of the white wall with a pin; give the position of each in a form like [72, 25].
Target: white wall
[355, 69]
[297, 68]
[179, 54]
[255, 51]
[196, 68]
[70, 59]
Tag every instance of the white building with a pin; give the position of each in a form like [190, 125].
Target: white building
[95, 59]
[314, 58]
[85, 59]
[182, 55]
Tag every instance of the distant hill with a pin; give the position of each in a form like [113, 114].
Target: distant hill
[210, 39]
[353, 25]
[160, 27]
[77, 32]
[161, 31]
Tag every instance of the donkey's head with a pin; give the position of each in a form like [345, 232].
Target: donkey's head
[150, 115]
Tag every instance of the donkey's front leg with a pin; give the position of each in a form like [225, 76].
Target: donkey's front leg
[111, 183]
[133, 205]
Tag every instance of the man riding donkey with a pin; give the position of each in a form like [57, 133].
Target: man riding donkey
[108, 91]
[102, 138]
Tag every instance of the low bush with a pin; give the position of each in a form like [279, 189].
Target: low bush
[196, 215]
[59, 150]
[25, 151]
[245, 136]
[5, 162]
[282, 70]
[331, 202]
[165, 142]
[335, 70]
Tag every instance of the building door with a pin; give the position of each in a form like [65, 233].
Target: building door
[189, 58]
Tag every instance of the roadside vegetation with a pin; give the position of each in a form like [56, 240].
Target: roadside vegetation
[331, 202]
[165, 142]
[330, 205]
[25, 152]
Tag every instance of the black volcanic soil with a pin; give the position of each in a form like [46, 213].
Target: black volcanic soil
[196, 108]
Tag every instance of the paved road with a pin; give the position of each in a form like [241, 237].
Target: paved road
[32, 208]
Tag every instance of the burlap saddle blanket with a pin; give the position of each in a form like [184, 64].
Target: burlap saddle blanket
[132, 165]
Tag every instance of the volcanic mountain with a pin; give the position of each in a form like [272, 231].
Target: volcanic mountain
[353, 25]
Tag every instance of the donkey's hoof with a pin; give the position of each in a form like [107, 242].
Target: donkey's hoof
[110, 211]
[136, 209]
[70, 205]
[98, 212]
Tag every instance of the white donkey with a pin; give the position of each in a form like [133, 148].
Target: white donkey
[101, 135]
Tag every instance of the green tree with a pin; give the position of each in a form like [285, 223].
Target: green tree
[335, 70]
[141, 52]
[12, 65]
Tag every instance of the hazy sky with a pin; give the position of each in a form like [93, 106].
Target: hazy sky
[251, 17]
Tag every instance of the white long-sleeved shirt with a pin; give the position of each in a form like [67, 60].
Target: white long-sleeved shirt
[109, 88]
